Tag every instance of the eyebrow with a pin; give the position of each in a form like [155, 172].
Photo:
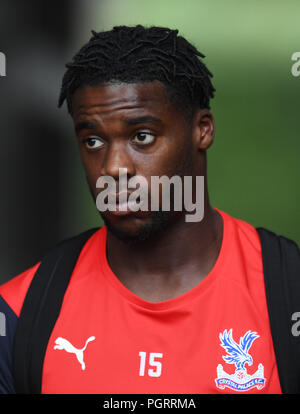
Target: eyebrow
[85, 125]
[129, 121]
[143, 120]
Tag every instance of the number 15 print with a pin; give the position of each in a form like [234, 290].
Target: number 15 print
[155, 371]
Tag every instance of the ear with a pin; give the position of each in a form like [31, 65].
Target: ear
[204, 129]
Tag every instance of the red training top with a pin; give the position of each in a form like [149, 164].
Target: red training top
[213, 339]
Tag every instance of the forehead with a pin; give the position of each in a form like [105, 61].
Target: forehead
[108, 98]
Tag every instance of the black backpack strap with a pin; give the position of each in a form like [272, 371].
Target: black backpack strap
[40, 311]
[281, 264]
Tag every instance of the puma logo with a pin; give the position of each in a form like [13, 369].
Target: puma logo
[62, 343]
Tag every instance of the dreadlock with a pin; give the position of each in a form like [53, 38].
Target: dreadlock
[139, 54]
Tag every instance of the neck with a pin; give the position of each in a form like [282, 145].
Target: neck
[182, 254]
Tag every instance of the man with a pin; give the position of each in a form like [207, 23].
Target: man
[156, 303]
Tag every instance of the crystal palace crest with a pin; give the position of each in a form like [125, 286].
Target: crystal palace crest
[238, 354]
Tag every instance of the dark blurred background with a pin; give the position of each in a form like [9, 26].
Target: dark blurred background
[253, 166]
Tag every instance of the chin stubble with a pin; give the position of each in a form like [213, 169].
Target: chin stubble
[159, 221]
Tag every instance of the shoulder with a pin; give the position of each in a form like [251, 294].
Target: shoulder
[253, 243]
[14, 291]
[242, 232]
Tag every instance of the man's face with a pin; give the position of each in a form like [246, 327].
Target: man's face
[132, 126]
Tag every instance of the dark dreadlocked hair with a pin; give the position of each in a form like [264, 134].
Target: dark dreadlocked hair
[139, 54]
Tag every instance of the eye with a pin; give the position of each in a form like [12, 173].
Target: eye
[93, 143]
[143, 138]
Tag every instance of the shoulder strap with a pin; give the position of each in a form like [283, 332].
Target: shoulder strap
[281, 263]
[40, 311]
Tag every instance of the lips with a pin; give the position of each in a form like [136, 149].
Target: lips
[120, 204]
[121, 197]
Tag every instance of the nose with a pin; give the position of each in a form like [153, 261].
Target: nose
[116, 158]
